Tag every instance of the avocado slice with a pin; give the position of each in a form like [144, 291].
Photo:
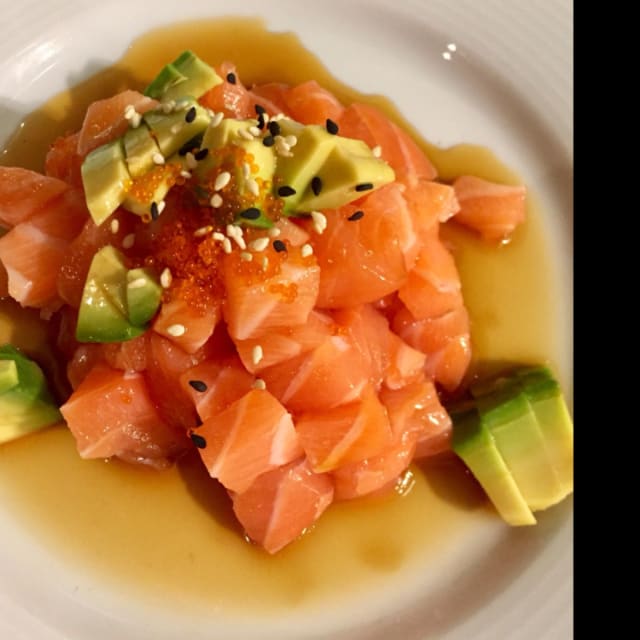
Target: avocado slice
[139, 148]
[186, 75]
[143, 295]
[548, 403]
[313, 146]
[349, 172]
[105, 179]
[27, 405]
[473, 442]
[172, 130]
[507, 414]
[103, 314]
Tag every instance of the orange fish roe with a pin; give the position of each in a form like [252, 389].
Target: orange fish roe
[144, 187]
[255, 271]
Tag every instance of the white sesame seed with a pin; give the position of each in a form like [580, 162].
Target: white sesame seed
[185, 174]
[306, 250]
[278, 116]
[222, 180]
[319, 221]
[253, 187]
[176, 330]
[235, 233]
[284, 153]
[257, 354]
[202, 231]
[135, 120]
[281, 145]
[166, 278]
[129, 112]
[246, 170]
[254, 131]
[259, 383]
[246, 134]
[292, 140]
[191, 161]
[246, 256]
[176, 128]
[129, 240]
[265, 263]
[168, 106]
[265, 118]
[377, 151]
[158, 158]
[115, 225]
[216, 119]
[161, 205]
[226, 245]
[274, 232]
[138, 283]
[259, 244]
[216, 200]
[219, 237]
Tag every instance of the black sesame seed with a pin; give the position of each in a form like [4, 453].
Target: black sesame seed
[202, 154]
[260, 110]
[190, 115]
[186, 147]
[316, 185]
[279, 246]
[332, 127]
[199, 441]
[356, 216]
[155, 212]
[268, 141]
[198, 385]
[252, 213]
[364, 186]
[274, 128]
[231, 78]
[261, 121]
[285, 191]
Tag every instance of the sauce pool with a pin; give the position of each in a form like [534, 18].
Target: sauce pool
[172, 535]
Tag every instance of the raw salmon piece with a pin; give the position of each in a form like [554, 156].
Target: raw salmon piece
[291, 233]
[345, 434]
[433, 286]
[405, 363]
[218, 383]
[230, 98]
[24, 193]
[493, 210]
[258, 300]
[416, 409]
[430, 204]
[284, 343]
[309, 103]
[104, 120]
[63, 160]
[332, 374]
[368, 123]
[166, 361]
[198, 324]
[272, 96]
[130, 355]
[283, 504]
[253, 435]
[112, 414]
[369, 250]
[445, 340]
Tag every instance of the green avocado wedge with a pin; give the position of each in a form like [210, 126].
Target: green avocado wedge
[26, 404]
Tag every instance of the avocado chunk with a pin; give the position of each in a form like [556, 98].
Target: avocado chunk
[313, 146]
[508, 415]
[250, 164]
[473, 442]
[105, 179]
[103, 315]
[548, 403]
[186, 75]
[174, 129]
[349, 172]
[27, 405]
[139, 148]
[143, 295]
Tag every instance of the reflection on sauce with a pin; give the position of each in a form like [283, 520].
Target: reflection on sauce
[172, 535]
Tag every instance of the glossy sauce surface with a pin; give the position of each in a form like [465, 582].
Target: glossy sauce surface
[172, 534]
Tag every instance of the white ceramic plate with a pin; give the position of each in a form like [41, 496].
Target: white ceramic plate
[493, 72]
